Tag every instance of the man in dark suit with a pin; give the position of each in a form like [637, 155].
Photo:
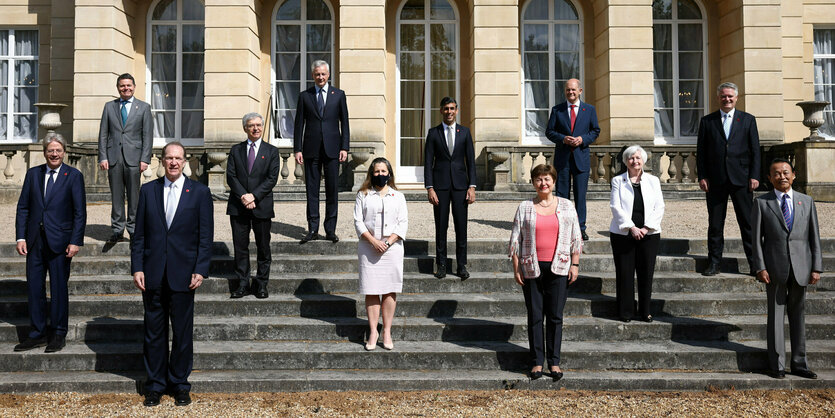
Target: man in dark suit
[125, 141]
[573, 127]
[251, 172]
[170, 255]
[728, 164]
[449, 177]
[49, 227]
[787, 258]
[321, 141]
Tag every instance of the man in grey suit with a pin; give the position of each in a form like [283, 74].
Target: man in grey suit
[787, 258]
[125, 140]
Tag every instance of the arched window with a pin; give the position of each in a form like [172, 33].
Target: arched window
[551, 54]
[679, 62]
[427, 64]
[175, 38]
[303, 33]
[18, 85]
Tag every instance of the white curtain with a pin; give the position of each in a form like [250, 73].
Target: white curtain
[824, 80]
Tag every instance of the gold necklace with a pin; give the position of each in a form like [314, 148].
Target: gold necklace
[548, 205]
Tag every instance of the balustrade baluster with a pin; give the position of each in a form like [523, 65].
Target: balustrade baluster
[672, 170]
[285, 172]
[685, 168]
[9, 170]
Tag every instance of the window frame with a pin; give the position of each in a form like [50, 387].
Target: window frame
[677, 139]
[8, 137]
[831, 55]
[414, 174]
[305, 80]
[178, 77]
[554, 97]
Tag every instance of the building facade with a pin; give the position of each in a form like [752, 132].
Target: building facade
[649, 66]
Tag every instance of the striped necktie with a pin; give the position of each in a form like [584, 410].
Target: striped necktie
[787, 214]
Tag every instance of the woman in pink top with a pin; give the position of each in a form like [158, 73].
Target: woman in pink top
[545, 247]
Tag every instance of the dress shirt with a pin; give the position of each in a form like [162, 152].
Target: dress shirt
[791, 200]
[324, 94]
[128, 104]
[177, 192]
[381, 214]
[729, 115]
[54, 176]
[449, 136]
[249, 145]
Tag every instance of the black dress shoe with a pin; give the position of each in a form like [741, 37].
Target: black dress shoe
[647, 318]
[115, 238]
[30, 343]
[585, 235]
[152, 399]
[777, 374]
[556, 376]
[627, 320]
[441, 272]
[262, 294]
[711, 270]
[311, 236]
[808, 374]
[463, 273]
[182, 398]
[56, 344]
[239, 293]
[535, 375]
[332, 238]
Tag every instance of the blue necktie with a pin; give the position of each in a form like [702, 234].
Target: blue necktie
[320, 103]
[49, 183]
[787, 215]
[124, 112]
[726, 126]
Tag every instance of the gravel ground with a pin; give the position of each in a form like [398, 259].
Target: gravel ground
[755, 403]
[683, 219]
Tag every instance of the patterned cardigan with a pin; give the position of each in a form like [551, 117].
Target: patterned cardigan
[523, 238]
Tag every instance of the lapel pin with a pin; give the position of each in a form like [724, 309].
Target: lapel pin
[262, 157]
[457, 130]
[186, 190]
[65, 174]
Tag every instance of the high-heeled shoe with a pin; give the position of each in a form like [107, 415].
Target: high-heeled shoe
[370, 345]
[535, 374]
[556, 376]
[389, 346]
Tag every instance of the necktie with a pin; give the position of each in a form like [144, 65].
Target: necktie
[49, 183]
[124, 112]
[726, 125]
[787, 215]
[573, 117]
[320, 102]
[250, 159]
[171, 204]
[450, 138]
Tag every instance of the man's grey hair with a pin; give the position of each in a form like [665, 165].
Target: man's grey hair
[629, 152]
[727, 85]
[318, 63]
[54, 137]
[249, 116]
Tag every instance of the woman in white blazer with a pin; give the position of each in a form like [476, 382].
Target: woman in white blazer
[635, 233]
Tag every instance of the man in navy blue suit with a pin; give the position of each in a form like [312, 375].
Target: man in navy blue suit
[449, 178]
[321, 141]
[573, 127]
[170, 256]
[51, 216]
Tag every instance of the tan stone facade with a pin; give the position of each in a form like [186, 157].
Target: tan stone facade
[765, 46]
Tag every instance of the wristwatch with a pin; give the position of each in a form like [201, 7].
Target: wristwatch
[388, 244]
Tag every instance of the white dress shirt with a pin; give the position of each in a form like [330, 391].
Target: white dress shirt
[128, 105]
[54, 176]
[178, 191]
[324, 94]
[790, 202]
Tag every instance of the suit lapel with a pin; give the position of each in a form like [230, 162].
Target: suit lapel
[778, 212]
[185, 194]
[441, 129]
[565, 115]
[41, 184]
[159, 189]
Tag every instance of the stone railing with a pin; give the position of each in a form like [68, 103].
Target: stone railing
[508, 167]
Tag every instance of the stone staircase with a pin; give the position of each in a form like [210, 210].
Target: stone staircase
[448, 334]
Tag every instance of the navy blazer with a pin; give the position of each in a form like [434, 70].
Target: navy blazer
[187, 244]
[559, 126]
[735, 160]
[259, 182]
[63, 216]
[331, 128]
[443, 170]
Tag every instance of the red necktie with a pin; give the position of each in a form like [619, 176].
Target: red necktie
[573, 117]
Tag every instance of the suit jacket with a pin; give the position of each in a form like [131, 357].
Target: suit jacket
[187, 244]
[259, 182]
[133, 141]
[585, 126]
[63, 215]
[331, 128]
[735, 160]
[776, 249]
[623, 196]
[443, 169]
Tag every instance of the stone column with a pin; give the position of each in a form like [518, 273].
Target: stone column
[623, 85]
[794, 70]
[232, 68]
[104, 48]
[60, 62]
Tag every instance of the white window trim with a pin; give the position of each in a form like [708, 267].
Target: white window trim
[554, 97]
[303, 69]
[10, 113]
[414, 174]
[822, 56]
[178, 104]
[676, 139]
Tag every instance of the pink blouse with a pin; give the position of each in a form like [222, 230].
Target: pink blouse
[547, 231]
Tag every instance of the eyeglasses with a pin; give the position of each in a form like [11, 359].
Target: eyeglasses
[54, 151]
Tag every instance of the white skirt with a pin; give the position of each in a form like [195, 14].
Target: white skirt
[380, 273]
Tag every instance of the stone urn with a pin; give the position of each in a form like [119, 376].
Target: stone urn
[813, 118]
[50, 115]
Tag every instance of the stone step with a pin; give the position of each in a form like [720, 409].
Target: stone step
[718, 328]
[496, 305]
[284, 264]
[233, 381]
[420, 355]
[479, 282]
